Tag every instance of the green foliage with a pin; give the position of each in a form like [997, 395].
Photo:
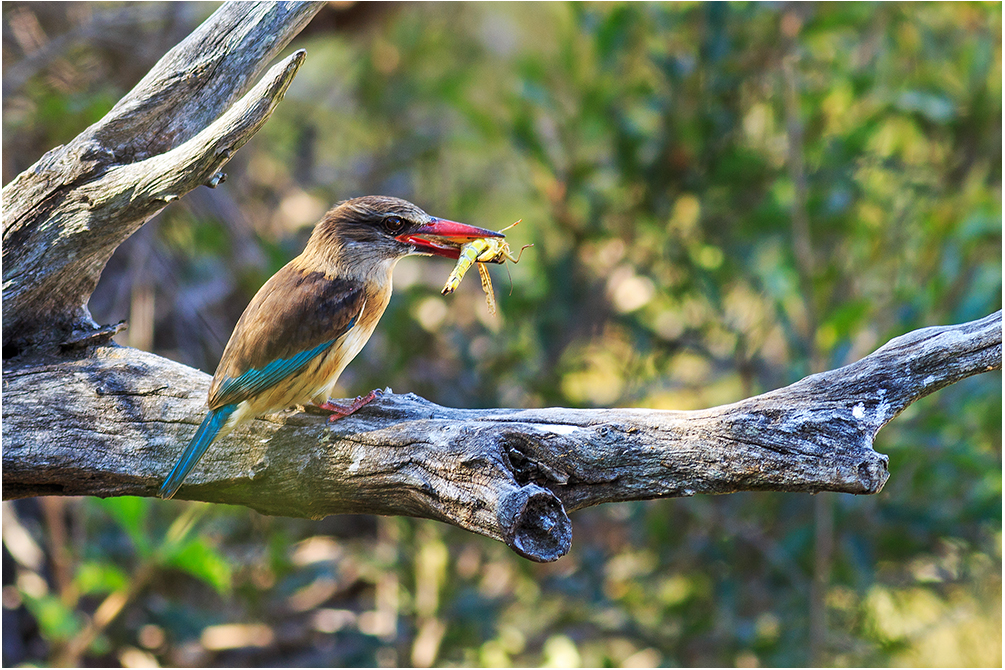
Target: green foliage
[130, 513]
[58, 621]
[203, 562]
[99, 577]
[671, 163]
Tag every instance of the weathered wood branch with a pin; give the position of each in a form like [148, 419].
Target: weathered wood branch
[88, 419]
[63, 217]
[112, 422]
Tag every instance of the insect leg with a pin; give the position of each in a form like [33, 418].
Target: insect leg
[490, 298]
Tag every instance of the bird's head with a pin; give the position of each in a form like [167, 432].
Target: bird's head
[380, 229]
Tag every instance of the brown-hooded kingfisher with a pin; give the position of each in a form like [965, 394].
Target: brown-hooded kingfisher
[313, 316]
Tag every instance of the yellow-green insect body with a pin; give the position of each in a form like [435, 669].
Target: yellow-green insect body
[482, 250]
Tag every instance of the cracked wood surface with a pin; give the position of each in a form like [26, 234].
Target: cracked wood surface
[512, 475]
[80, 418]
[64, 216]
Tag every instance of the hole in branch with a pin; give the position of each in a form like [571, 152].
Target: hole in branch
[526, 467]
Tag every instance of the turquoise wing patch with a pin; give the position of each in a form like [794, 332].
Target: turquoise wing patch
[253, 382]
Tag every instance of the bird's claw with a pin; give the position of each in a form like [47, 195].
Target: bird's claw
[340, 411]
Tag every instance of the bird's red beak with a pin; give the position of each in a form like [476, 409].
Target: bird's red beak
[444, 238]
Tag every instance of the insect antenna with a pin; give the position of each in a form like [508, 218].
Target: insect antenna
[510, 225]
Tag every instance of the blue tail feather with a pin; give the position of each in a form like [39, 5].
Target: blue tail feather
[211, 425]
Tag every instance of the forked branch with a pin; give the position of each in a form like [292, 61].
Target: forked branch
[64, 216]
[84, 418]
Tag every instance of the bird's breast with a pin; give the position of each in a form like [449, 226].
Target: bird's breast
[331, 365]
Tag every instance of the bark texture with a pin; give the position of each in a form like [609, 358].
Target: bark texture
[63, 217]
[81, 417]
[113, 420]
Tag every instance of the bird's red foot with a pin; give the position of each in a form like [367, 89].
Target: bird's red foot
[340, 411]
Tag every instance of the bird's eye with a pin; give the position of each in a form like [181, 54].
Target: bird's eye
[394, 223]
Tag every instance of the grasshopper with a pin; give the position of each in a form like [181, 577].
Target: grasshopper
[481, 251]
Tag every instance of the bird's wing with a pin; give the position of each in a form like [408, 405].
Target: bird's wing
[295, 317]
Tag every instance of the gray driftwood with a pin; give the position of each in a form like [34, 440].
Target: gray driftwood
[82, 417]
[112, 421]
[64, 216]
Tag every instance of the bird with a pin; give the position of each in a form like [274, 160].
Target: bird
[311, 318]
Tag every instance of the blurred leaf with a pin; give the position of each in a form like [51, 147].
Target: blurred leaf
[204, 562]
[58, 621]
[131, 513]
[94, 577]
[934, 107]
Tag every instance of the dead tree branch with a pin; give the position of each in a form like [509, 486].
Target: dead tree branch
[81, 417]
[63, 217]
[112, 422]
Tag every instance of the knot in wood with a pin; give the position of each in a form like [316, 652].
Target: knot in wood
[534, 524]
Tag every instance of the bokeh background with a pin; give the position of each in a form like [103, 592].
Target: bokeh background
[723, 198]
